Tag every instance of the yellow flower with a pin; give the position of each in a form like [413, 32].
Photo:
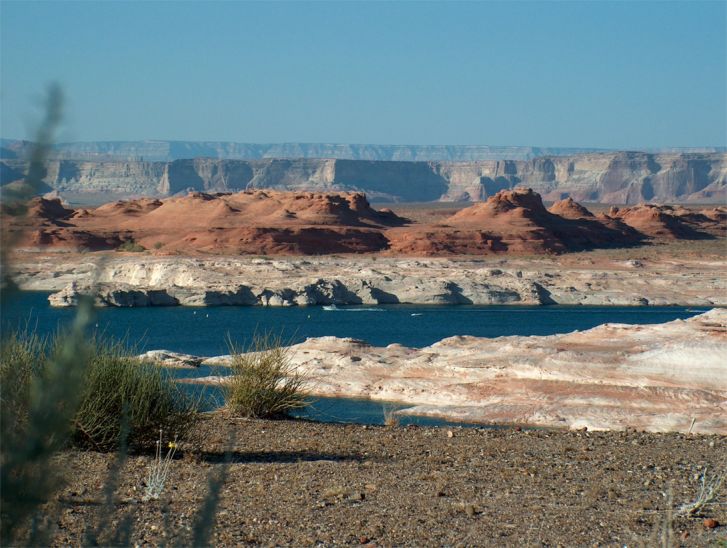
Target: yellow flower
[172, 445]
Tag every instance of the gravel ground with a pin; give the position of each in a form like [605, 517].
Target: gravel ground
[297, 483]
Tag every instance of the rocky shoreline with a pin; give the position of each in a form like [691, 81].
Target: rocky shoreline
[129, 280]
[669, 377]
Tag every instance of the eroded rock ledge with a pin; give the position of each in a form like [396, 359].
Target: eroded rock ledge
[168, 281]
[658, 378]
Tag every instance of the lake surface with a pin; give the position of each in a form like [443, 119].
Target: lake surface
[206, 331]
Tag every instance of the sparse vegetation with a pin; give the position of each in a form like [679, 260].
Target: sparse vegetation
[39, 399]
[264, 383]
[390, 417]
[115, 379]
[710, 491]
[131, 246]
[158, 245]
[159, 469]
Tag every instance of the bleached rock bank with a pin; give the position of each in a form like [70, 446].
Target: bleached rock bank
[169, 281]
[657, 378]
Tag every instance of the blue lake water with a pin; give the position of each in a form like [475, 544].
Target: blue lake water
[206, 331]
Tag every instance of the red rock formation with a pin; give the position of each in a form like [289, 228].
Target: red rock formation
[672, 222]
[246, 222]
[271, 222]
[517, 221]
[570, 209]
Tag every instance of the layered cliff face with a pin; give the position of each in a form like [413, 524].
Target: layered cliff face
[613, 178]
[166, 151]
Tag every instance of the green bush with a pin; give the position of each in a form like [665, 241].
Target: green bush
[131, 246]
[114, 385]
[264, 383]
[21, 356]
[116, 381]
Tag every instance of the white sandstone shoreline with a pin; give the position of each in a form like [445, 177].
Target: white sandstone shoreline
[659, 378]
[121, 280]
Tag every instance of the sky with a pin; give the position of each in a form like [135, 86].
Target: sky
[584, 74]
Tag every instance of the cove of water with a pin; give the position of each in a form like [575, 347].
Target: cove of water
[338, 410]
[206, 331]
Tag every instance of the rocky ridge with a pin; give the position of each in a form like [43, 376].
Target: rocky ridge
[659, 378]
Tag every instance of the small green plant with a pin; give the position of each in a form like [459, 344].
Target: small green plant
[264, 383]
[159, 469]
[158, 245]
[131, 246]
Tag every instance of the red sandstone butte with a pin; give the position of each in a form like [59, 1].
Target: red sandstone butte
[311, 223]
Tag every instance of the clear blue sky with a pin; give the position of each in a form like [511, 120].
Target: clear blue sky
[615, 75]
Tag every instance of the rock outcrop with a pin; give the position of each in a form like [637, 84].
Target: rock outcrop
[673, 222]
[609, 177]
[660, 378]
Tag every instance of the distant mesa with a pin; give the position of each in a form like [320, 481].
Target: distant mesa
[272, 222]
[100, 171]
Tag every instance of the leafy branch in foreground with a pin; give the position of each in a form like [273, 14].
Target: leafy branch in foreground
[37, 401]
[55, 391]
[36, 421]
[14, 198]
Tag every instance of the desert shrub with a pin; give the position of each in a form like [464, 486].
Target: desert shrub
[158, 245]
[20, 357]
[131, 246]
[115, 381]
[113, 384]
[710, 491]
[264, 383]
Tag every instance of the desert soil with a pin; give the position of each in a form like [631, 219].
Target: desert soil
[296, 483]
